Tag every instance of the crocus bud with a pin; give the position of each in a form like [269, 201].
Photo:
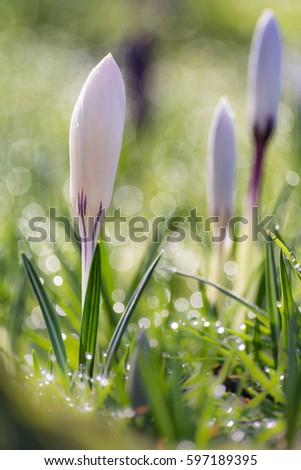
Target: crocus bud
[96, 132]
[264, 92]
[221, 162]
[265, 75]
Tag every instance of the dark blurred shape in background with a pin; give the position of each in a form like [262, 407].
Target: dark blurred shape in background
[139, 58]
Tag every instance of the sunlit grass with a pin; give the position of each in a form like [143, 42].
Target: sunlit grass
[202, 382]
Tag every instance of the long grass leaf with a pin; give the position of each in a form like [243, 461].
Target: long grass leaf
[292, 383]
[257, 374]
[123, 322]
[89, 324]
[272, 296]
[49, 314]
[259, 312]
[290, 254]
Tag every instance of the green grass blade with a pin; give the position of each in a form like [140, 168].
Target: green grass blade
[259, 312]
[290, 331]
[49, 314]
[36, 366]
[89, 323]
[272, 296]
[122, 324]
[156, 392]
[295, 263]
[258, 375]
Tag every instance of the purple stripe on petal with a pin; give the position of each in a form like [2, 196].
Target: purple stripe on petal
[82, 206]
[96, 224]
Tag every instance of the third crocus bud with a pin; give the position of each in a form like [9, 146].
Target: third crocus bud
[221, 179]
[221, 163]
[264, 90]
[96, 132]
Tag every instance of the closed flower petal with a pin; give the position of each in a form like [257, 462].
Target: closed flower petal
[265, 75]
[96, 132]
[221, 162]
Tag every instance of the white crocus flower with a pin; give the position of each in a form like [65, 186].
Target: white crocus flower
[96, 132]
[221, 162]
[265, 75]
[221, 181]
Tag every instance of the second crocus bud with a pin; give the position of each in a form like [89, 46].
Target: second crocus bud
[264, 91]
[265, 75]
[221, 163]
[96, 132]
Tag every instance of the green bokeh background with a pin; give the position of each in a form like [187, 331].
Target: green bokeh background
[200, 53]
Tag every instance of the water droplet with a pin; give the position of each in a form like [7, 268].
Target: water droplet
[164, 313]
[257, 424]
[238, 435]
[230, 423]
[219, 391]
[251, 315]
[128, 413]
[292, 178]
[186, 445]
[241, 347]
[88, 356]
[118, 307]
[174, 325]
[181, 304]
[279, 304]
[144, 323]
[206, 324]
[153, 343]
[221, 330]
[196, 300]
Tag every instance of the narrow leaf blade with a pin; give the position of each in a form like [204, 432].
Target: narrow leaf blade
[89, 323]
[123, 322]
[49, 314]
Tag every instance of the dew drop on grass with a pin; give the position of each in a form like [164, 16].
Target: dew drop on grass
[153, 301]
[219, 391]
[238, 435]
[220, 330]
[88, 356]
[164, 313]
[193, 314]
[118, 295]
[241, 347]
[174, 325]
[186, 445]
[144, 323]
[196, 300]
[181, 304]
[88, 407]
[230, 423]
[128, 413]
[206, 324]
[153, 343]
[118, 307]
[292, 178]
